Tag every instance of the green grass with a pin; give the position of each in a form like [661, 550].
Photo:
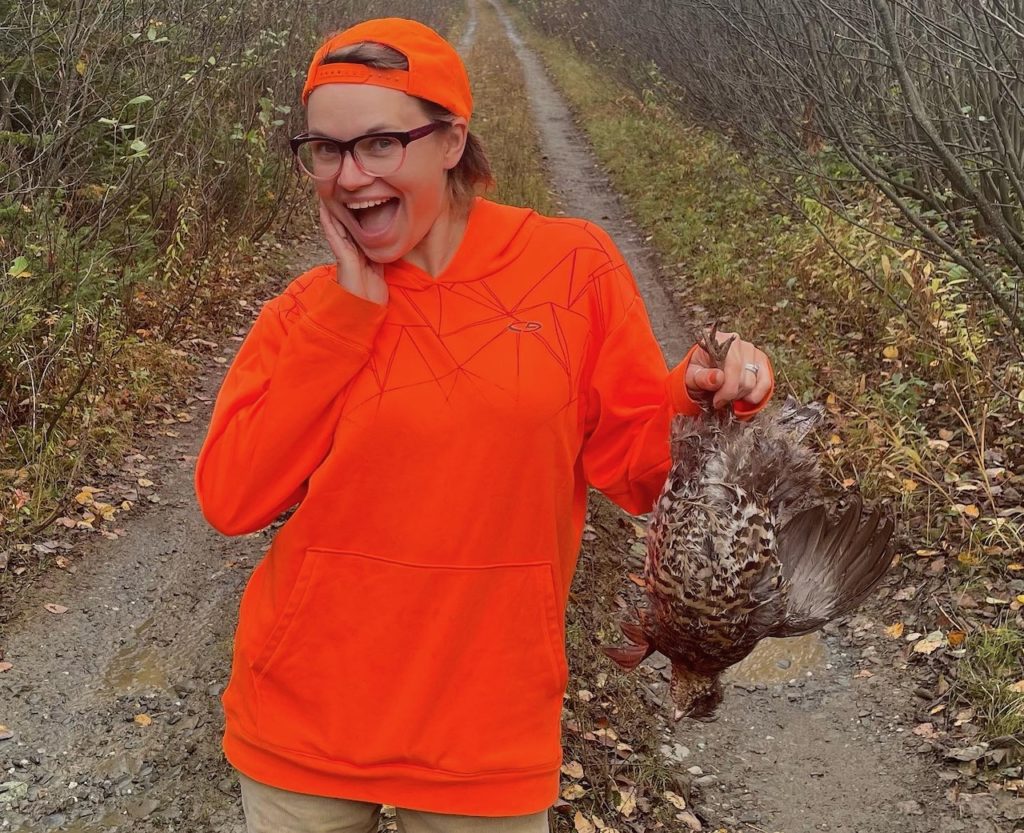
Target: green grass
[994, 661]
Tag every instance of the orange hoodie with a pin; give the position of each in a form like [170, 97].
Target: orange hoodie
[402, 641]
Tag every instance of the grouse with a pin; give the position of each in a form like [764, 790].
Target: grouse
[740, 547]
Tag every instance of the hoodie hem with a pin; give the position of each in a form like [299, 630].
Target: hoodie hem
[493, 794]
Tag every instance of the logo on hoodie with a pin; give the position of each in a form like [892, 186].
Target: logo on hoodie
[524, 326]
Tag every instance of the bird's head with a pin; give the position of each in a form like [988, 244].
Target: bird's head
[694, 694]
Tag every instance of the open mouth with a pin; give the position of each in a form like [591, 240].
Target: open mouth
[376, 219]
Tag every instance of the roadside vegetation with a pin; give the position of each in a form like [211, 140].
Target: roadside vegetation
[920, 369]
[146, 191]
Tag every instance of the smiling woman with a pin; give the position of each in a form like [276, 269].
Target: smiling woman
[437, 401]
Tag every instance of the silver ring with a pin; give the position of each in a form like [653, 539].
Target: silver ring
[753, 368]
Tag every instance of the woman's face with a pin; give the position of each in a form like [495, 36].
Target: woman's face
[417, 192]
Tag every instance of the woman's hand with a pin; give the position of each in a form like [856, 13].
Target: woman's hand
[356, 273]
[734, 381]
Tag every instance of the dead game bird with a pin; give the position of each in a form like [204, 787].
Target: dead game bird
[740, 547]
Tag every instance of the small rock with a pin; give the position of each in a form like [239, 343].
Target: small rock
[910, 808]
[783, 664]
[695, 770]
[706, 780]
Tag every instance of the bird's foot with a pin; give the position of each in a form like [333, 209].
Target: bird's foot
[715, 349]
[629, 656]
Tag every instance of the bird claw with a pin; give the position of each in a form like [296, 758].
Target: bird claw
[716, 350]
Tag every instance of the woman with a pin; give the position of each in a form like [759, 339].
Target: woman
[437, 401]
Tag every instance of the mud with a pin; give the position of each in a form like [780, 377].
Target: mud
[114, 705]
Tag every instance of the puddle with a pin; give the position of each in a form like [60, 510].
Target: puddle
[137, 665]
[780, 660]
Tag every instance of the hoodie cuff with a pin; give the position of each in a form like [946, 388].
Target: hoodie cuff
[341, 314]
[683, 403]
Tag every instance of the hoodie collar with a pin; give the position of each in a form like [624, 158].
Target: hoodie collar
[490, 241]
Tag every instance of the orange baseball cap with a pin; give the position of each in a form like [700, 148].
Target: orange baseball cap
[436, 71]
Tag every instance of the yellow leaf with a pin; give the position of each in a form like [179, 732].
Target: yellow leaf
[583, 824]
[1017, 687]
[930, 643]
[1015, 567]
[886, 266]
[909, 485]
[835, 439]
[970, 510]
[956, 638]
[627, 805]
[895, 631]
[1020, 598]
[80, 67]
[890, 351]
[143, 719]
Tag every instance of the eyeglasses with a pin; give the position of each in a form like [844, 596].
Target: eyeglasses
[375, 154]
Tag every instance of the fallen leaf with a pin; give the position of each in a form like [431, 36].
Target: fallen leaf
[1015, 567]
[890, 351]
[1017, 687]
[895, 631]
[676, 801]
[573, 792]
[992, 600]
[55, 608]
[143, 719]
[574, 769]
[5, 666]
[909, 485]
[583, 824]
[925, 730]
[956, 638]
[584, 695]
[627, 805]
[930, 643]
[966, 753]
[638, 580]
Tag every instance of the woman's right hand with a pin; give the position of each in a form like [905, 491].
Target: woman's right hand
[356, 273]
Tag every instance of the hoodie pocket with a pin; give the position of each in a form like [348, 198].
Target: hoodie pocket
[376, 661]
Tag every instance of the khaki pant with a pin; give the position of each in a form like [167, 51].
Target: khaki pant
[272, 810]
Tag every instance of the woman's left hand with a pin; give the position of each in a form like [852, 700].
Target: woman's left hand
[734, 381]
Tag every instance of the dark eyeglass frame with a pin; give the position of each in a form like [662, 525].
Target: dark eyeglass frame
[402, 136]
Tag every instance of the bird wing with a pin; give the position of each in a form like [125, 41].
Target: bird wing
[830, 567]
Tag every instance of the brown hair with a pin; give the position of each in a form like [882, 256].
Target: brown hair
[472, 174]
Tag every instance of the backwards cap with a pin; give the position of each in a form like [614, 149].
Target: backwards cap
[436, 71]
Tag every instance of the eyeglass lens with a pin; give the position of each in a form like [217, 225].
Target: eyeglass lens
[375, 155]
